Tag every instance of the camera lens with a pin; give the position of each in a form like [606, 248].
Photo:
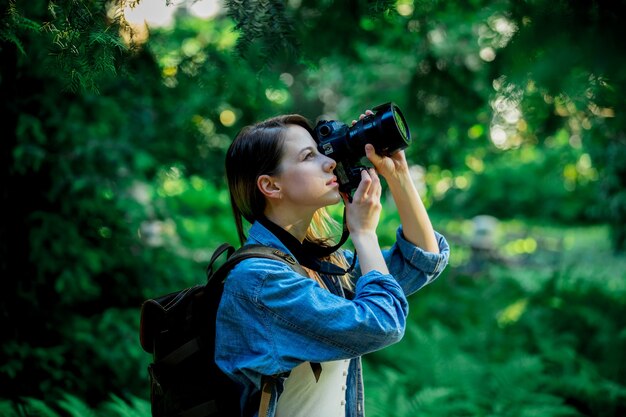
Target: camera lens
[400, 124]
[386, 130]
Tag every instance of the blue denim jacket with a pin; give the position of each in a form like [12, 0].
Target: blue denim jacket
[271, 319]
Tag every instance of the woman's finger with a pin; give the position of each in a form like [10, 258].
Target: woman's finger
[364, 186]
[375, 189]
[363, 115]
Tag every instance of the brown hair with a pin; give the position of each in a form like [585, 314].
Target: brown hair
[257, 150]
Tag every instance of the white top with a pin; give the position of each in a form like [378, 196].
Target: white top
[303, 397]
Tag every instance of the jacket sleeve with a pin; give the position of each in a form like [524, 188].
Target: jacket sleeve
[410, 265]
[288, 318]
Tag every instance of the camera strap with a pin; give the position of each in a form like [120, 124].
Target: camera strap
[324, 251]
[310, 254]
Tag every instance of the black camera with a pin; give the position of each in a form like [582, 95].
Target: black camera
[386, 130]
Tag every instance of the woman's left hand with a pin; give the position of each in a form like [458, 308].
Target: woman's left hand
[416, 224]
[387, 166]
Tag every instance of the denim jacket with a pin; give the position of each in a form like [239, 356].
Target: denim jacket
[272, 319]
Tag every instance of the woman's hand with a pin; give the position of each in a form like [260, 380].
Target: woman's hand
[363, 213]
[390, 167]
[362, 216]
[415, 221]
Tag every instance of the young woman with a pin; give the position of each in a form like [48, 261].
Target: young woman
[274, 321]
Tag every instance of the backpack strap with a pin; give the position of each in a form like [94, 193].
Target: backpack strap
[267, 386]
[246, 252]
[224, 247]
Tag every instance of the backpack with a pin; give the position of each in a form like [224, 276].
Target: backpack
[178, 329]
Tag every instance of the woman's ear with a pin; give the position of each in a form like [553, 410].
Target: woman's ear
[269, 186]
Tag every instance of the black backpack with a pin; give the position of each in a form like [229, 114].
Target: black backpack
[178, 329]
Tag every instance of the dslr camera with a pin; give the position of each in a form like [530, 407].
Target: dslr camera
[386, 130]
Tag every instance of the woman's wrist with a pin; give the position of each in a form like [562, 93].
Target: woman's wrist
[364, 235]
[370, 254]
[365, 241]
[401, 182]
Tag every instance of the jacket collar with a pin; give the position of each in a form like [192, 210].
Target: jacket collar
[267, 233]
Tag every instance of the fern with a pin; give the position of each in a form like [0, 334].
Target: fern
[33, 407]
[117, 407]
[436, 371]
[14, 25]
[76, 407]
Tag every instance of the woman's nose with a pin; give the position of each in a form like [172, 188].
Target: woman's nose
[329, 164]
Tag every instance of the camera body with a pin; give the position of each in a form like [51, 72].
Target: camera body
[386, 130]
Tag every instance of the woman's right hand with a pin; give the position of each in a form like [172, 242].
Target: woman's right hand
[363, 213]
[362, 216]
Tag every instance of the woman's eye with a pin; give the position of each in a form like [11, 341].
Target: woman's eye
[309, 155]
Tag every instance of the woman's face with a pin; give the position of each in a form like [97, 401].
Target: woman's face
[306, 176]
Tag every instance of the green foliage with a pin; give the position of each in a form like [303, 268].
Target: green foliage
[14, 26]
[72, 406]
[556, 183]
[510, 342]
[114, 191]
[76, 37]
[264, 21]
[588, 81]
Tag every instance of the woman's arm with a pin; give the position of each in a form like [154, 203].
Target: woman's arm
[415, 221]
[284, 318]
[362, 216]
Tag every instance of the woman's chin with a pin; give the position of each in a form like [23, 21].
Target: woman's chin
[334, 198]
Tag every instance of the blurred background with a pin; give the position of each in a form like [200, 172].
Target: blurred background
[117, 115]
